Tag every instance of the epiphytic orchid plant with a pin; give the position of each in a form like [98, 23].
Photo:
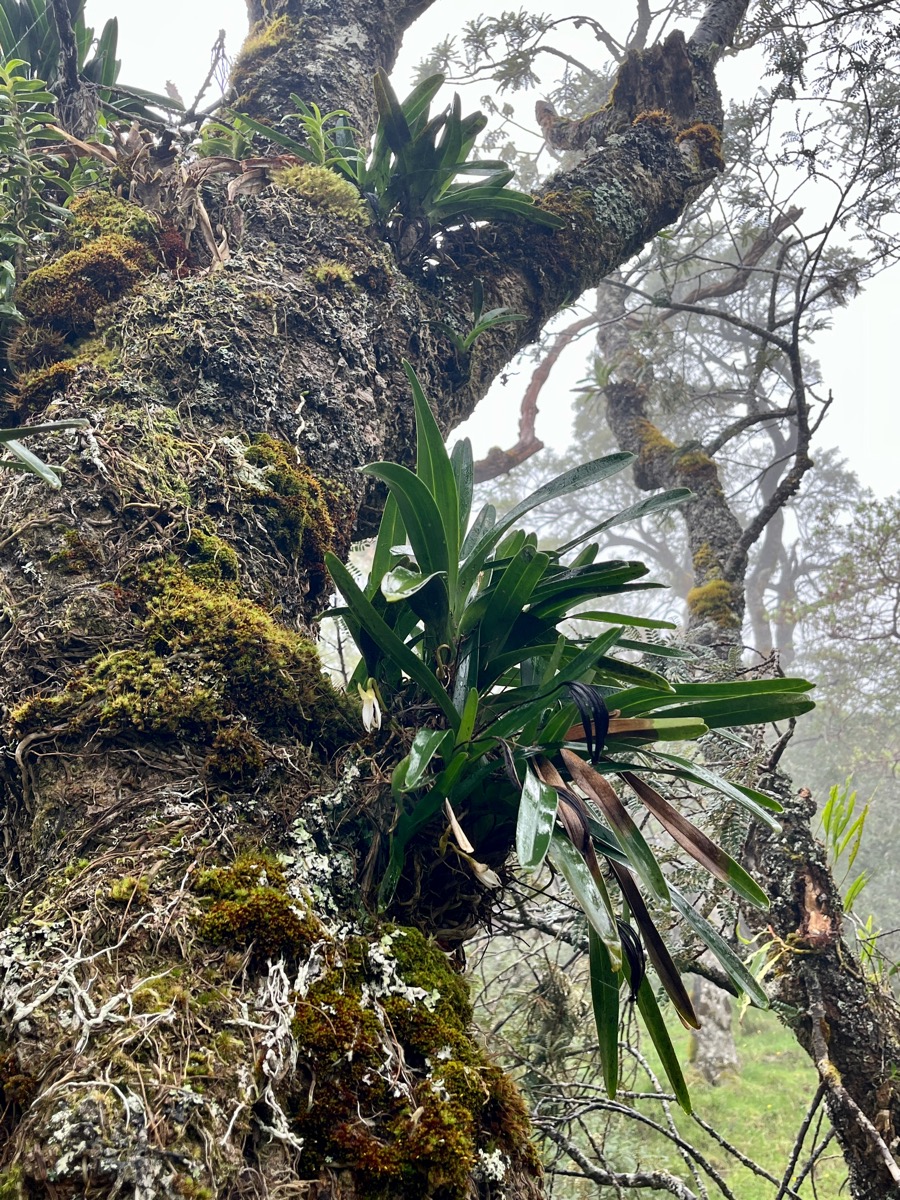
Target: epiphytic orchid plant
[458, 625]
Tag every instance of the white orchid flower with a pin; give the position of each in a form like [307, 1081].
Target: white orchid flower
[371, 707]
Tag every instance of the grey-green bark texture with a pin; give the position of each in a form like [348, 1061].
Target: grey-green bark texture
[196, 998]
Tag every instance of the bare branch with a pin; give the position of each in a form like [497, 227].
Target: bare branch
[500, 462]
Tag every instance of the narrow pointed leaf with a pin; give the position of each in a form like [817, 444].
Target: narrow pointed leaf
[391, 532]
[659, 1036]
[392, 119]
[385, 638]
[463, 466]
[731, 964]
[426, 745]
[469, 714]
[565, 484]
[657, 503]
[656, 948]
[758, 803]
[605, 1003]
[435, 470]
[612, 618]
[419, 512]
[700, 847]
[509, 598]
[627, 833]
[595, 903]
[481, 526]
[32, 463]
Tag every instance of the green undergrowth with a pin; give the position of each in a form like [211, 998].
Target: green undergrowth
[758, 1110]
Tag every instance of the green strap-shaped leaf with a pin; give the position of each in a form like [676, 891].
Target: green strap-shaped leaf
[565, 484]
[748, 799]
[420, 514]
[659, 1036]
[638, 700]
[656, 948]
[426, 744]
[509, 598]
[612, 618]
[20, 431]
[463, 465]
[589, 892]
[391, 532]
[469, 715]
[534, 827]
[434, 468]
[605, 983]
[731, 964]
[31, 462]
[627, 833]
[659, 651]
[658, 503]
[392, 119]
[385, 638]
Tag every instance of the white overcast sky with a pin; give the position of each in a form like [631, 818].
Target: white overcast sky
[171, 40]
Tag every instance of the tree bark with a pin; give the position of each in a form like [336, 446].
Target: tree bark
[194, 1001]
[848, 1025]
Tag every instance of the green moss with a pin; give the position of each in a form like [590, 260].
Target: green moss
[67, 294]
[714, 601]
[236, 758]
[129, 889]
[75, 555]
[42, 384]
[697, 464]
[251, 907]
[301, 510]
[655, 118]
[96, 213]
[424, 965]
[161, 993]
[215, 562]
[706, 563]
[11, 1183]
[264, 40]
[653, 445]
[422, 1139]
[273, 924]
[191, 1189]
[203, 656]
[325, 189]
[247, 872]
[329, 274]
[708, 142]
[35, 346]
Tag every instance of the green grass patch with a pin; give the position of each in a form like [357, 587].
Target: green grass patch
[758, 1110]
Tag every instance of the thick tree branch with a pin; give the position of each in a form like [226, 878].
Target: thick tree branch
[326, 53]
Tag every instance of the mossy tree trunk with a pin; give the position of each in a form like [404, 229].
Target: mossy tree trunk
[195, 998]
